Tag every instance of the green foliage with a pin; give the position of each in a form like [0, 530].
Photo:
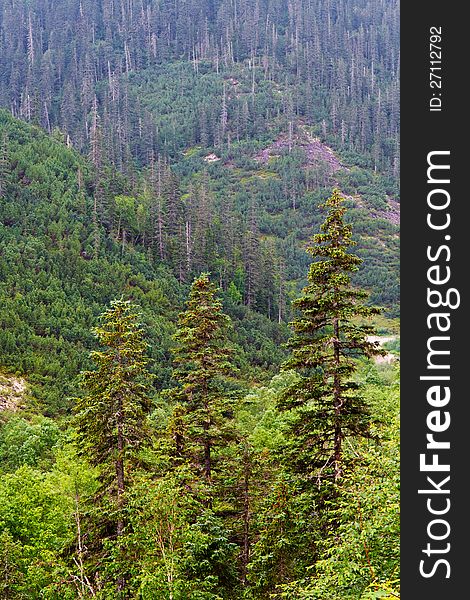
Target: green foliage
[112, 413]
[32, 509]
[111, 422]
[28, 443]
[362, 561]
[327, 341]
[53, 287]
[37, 524]
[181, 138]
[258, 417]
[287, 537]
[211, 558]
[11, 566]
[202, 361]
[160, 533]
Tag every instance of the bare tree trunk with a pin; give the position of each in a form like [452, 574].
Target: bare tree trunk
[83, 580]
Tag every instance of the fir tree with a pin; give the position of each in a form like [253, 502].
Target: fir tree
[202, 360]
[111, 417]
[329, 334]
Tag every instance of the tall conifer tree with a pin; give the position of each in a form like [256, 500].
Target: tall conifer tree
[202, 360]
[329, 334]
[110, 418]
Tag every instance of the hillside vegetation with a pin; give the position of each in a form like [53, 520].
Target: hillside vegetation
[199, 215]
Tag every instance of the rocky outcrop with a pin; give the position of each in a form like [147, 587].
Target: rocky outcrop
[12, 392]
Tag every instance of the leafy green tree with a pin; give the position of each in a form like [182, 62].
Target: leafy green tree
[202, 361]
[282, 527]
[329, 335]
[111, 417]
[35, 525]
[177, 555]
[25, 442]
[159, 533]
[11, 574]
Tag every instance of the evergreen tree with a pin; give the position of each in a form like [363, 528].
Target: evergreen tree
[110, 418]
[202, 359]
[329, 335]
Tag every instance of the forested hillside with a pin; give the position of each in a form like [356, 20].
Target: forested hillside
[190, 409]
[332, 63]
[242, 101]
[60, 266]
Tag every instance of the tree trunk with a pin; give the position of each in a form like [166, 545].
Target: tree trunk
[120, 484]
[246, 514]
[338, 404]
[207, 452]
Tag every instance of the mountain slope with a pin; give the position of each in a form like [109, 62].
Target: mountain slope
[338, 62]
[54, 280]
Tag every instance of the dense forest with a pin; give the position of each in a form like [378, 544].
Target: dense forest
[199, 299]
